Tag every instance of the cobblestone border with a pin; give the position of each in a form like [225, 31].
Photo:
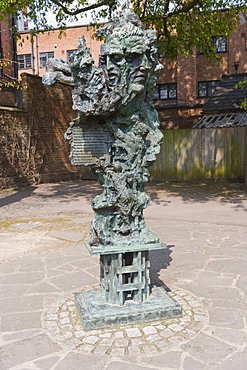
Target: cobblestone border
[63, 324]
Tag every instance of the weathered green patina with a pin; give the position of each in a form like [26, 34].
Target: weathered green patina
[116, 133]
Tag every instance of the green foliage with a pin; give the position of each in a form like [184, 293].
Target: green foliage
[242, 85]
[6, 82]
[181, 25]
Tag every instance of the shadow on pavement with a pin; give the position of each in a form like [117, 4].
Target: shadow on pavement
[158, 192]
[17, 196]
[198, 192]
[71, 190]
[65, 191]
[160, 259]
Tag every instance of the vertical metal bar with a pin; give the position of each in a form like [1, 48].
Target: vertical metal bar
[120, 278]
[135, 277]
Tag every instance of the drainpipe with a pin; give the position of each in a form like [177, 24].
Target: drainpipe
[32, 55]
[37, 53]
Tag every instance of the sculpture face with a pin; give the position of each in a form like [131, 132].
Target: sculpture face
[115, 64]
[127, 62]
[138, 64]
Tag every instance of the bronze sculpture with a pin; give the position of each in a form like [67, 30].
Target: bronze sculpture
[116, 133]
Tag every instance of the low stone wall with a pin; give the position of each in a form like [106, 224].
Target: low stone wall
[32, 144]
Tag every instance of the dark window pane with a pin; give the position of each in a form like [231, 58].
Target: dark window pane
[20, 59]
[172, 91]
[211, 87]
[42, 61]
[202, 89]
[43, 57]
[28, 61]
[163, 92]
[206, 88]
[221, 45]
[156, 93]
[24, 61]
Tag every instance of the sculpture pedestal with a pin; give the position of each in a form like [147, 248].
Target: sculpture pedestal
[96, 313]
[126, 295]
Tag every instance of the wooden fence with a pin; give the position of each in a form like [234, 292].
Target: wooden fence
[202, 155]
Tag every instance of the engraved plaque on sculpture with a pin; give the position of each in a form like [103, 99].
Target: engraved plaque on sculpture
[89, 143]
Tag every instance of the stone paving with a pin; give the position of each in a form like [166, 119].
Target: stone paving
[63, 324]
[205, 269]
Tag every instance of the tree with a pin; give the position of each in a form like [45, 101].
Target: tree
[242, 85]
[181, 25]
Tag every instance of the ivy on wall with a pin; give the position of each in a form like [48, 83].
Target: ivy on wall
[18, 143]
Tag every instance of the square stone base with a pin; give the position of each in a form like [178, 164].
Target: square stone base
[96, 313]
[111, 249]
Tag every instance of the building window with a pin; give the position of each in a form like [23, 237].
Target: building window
[165, 91]
[206, 88]
[43, 57]
[69, 53]
[219, 43]
[24, 61]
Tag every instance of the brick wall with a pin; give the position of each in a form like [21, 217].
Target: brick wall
[7, 97]
[179, 118]
[186, 82]
[32, 146]
[14, 148]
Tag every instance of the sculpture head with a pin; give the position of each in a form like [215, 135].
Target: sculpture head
[129, 56]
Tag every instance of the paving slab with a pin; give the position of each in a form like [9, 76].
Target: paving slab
[28, 349]
[237, 361]
[169, 360]
[25, 225]
[208, 349]
[204, 268]
[123, 366]
[76, 361]
[21, 321]
[191, 364]
[82, 220]
[20, 304]
[47, 363]
[69, 236]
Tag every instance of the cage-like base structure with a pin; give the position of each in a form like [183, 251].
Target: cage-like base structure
[96, 313]
[126, 295]
[125, 275]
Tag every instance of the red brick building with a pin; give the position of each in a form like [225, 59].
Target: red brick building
[184, 86]
[33, 53]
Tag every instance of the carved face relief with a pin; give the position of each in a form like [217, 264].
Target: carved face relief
[138, 62]
[127, 62]
[115, 64]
